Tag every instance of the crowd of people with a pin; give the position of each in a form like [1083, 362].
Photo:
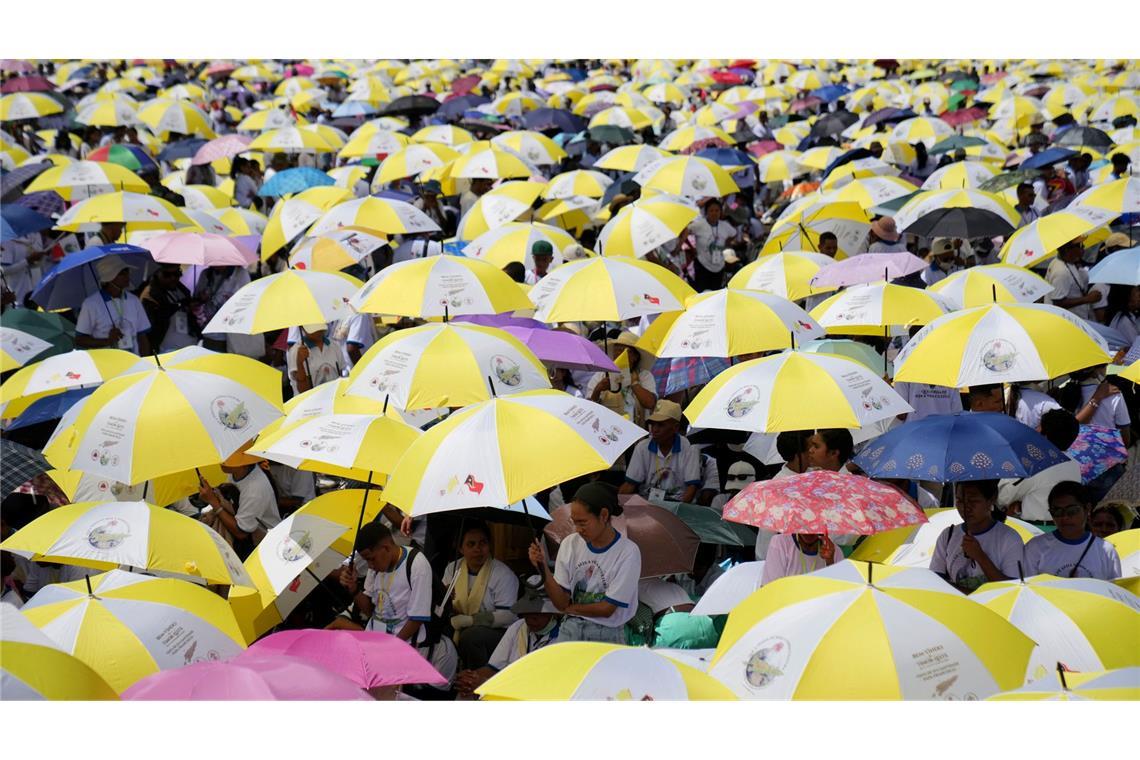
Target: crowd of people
[442, 583]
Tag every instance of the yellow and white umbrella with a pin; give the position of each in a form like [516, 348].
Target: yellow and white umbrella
[123, 429]
[486, 453]
[33, 667]
[665, 92]
[870, 309]
[872, 191]
[287, 299]
[1086, 624]
[1127, 543]
[931, 208]
[106, 534]
[819, 158]
[1115, 685]
[489, 163]
[117, 112]
[27, 105]
[335, 250]
[685, 137]
[120, 206]
[444, 134]
[290, 140]
[383, 215]
[126, 626]
[630, 158]
[688, 177]
[264, 121]
[356, 446]
[373, 145]
[187, 91]
[496, 207]
[448, 365]
[1121, 196]
[860, 168]
[83, 486]
[581, 670]
[516, 103]
[795, 391]
[574, 213]
[56, 374]
[534, 147]
[622, 116]
[778, 642]
[730, 323]
[1115, 107]
[913, 545]
[1018, 109]
[80, 180]
[580, 182]
[925, 129]
[960, 175]
[1000, 343]
[514, 242]
[786, 274]
[204, 197]
[800, 230]
[439, 286]
[993, 283]
[165, 116]
[239, 221]
[645, 225]
[17, 348]
[293, 216]
[780, 165]
[610, 289]
[1038, 241]
[412, 160]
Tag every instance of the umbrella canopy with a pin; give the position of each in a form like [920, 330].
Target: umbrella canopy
[607, 289]
[36, 668]
[294, 181]
[226, 146]
[1038, 241]
[288, 299]
[960, 175]
[446, 365]
[124, 206]
[1097, 450]
[1085, 624]
[867, 268]
[17, 348]
[687, 177]
[199, 249]
[383, 215]
[485, 454]
[128, 156]
[706, 522]
[262, 678]
[958, 447]
[354, 446]
[678, 374]
[630, 158]
[61, 372]
[44, 325]
[1000, 343]
[1120, 196]
[1118, 268]
[786, 274]
[795, 391]
[294, 215]
[514, 241]
[81, 180]
[21, 464]
[736, 584]
[333, 251]
[992, 283]
[592, 671]
[74, 278]
[957, 213]
[497, 207]
[898, 610]
[1115, 685]
[823, 502]
[19, 221]
[645, 225]
[914, 546]
[559, 348]
[126, 626]
[868, 309]
[440, 286]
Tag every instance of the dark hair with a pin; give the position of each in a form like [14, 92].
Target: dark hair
[1024, 186]
[921, 157]
[371, 535]
[825, 236]
[597, 496]
[1060, 427]
[231, 493]
[1118, 297]
[1117, 515]
[516, 271]
[1070, 488]
[983, 391]
[475, 525]
[838, 439]
[987, 488]
[791, 443]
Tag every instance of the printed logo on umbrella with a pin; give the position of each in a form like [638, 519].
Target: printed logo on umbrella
[999, 355]
[767, 662]
[506, 370]
[230, 412]
[108, 533]
[295, 546]
[743, 402]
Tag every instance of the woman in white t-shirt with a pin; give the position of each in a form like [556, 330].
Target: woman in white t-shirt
[1072, 551]
[980, 549]
[594, 582]
[484, 590]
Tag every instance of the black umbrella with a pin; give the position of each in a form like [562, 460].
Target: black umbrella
[181, 149]
[456, 107]
[623, 185]
[12, 183]
[554, 120]
[611, 134]
[411, 105]
[21, 464]
[1085, 137]
[888, 115]
[962, 223]
[833, 123]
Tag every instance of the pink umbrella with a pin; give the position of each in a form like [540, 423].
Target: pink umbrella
[225, 146]
[199, 249]
[367, 658]
[868, 267]
[16, 65]
[264, 677]
[559, 348]
[963, 116]
[823, 502]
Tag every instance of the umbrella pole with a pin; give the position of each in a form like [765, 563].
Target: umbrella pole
[1061, 675]
[360, 519]
[808, 238]
[87, 578]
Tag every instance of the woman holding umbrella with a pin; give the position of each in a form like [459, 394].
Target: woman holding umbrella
[595, 576]
[981, 549]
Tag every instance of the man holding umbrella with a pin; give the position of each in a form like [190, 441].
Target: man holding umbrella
[113, 317]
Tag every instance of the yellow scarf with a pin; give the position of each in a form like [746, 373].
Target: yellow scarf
[469, 601]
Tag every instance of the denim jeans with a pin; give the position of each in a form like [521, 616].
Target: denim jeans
[579, 629]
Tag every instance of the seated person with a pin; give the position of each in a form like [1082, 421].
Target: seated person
[981, 549]
[485, 589]
[1072, 551]
[665, 466]
[798, 554]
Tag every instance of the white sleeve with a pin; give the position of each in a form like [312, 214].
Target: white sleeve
[419, 600]
[1033, 555]
[254, 503]
[627, 571]
[1120, 411]
[85, 324]
[503, 588]
[563, 562]
[638, 470]
[776, 559]
[648, 381]
[501, 657]
[139, 318]
[1113, 562]
[938, 560]
[449, 573]
[1012, 560]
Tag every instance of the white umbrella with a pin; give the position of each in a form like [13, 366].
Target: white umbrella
[737, 584]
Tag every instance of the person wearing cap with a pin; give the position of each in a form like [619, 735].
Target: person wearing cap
[1070, 281]
[631, 393]
[312, 360]
[944, 261]
[740, 474]
[884, 236]
[542, 254]
[665, 466]
[113, 317]
[596, 570]
[537, 626]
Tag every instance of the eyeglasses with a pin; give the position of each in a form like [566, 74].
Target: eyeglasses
[1071, 510]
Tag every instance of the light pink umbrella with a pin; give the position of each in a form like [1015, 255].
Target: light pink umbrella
[367, 658]
[199, 249]
[868, 267]
[225, 146]
[265, 677]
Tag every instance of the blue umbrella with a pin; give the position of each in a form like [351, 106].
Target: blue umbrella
[73, 278]
[726, 156]
[354, 108]
[1115, 339]
[1118, 268]
[952, 447]
[50, 407]
[294, 181]
[1047, 158]
[456, 107]
[543, 119]
[830, 92]
[181, 149]
[18, 221]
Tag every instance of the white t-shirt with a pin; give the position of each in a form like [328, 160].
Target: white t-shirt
[513, 646]
[1032, 406]
[710, 241]
[20, 276]
[1112, 411]
[1033, 492]
[1125, 324]
[502, 588]
[257, 506]
[644, 376]
[324, 363]
[659, 595]
[785, 558]
[1000, 543]
[929, 399]
[608, 574]
[1049, 553]
[653, 471]
[99, 313]
[358, 330]
[293, 482]
[1070, 281]
[396, 602]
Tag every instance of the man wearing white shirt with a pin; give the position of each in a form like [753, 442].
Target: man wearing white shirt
[929, 399]
[113, 317]
[1070, 281]
[21, 265]
[665, 466]
[1032, 405]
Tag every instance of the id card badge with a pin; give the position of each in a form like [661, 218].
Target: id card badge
[657, 495]
[180, 324]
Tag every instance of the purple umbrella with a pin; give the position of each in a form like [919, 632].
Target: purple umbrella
[47, 202]
[1097, 450]
[11, 182]
[868, 267]
[500, 321]
[560, 348]
[27, 84]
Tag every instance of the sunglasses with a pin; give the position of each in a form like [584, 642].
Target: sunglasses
[1070, 511]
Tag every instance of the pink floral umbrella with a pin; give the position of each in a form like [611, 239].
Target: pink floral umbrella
[264, 677]
[226, 146]
[823, 502]
[367, 658]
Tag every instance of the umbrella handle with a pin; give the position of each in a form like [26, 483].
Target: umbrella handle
[360, 519]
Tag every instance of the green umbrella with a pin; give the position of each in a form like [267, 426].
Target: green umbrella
[611, 134]
[964, 84]
[1008, 180]
[954, 142]
[706, 522]
[45, 325]
[852, 349]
